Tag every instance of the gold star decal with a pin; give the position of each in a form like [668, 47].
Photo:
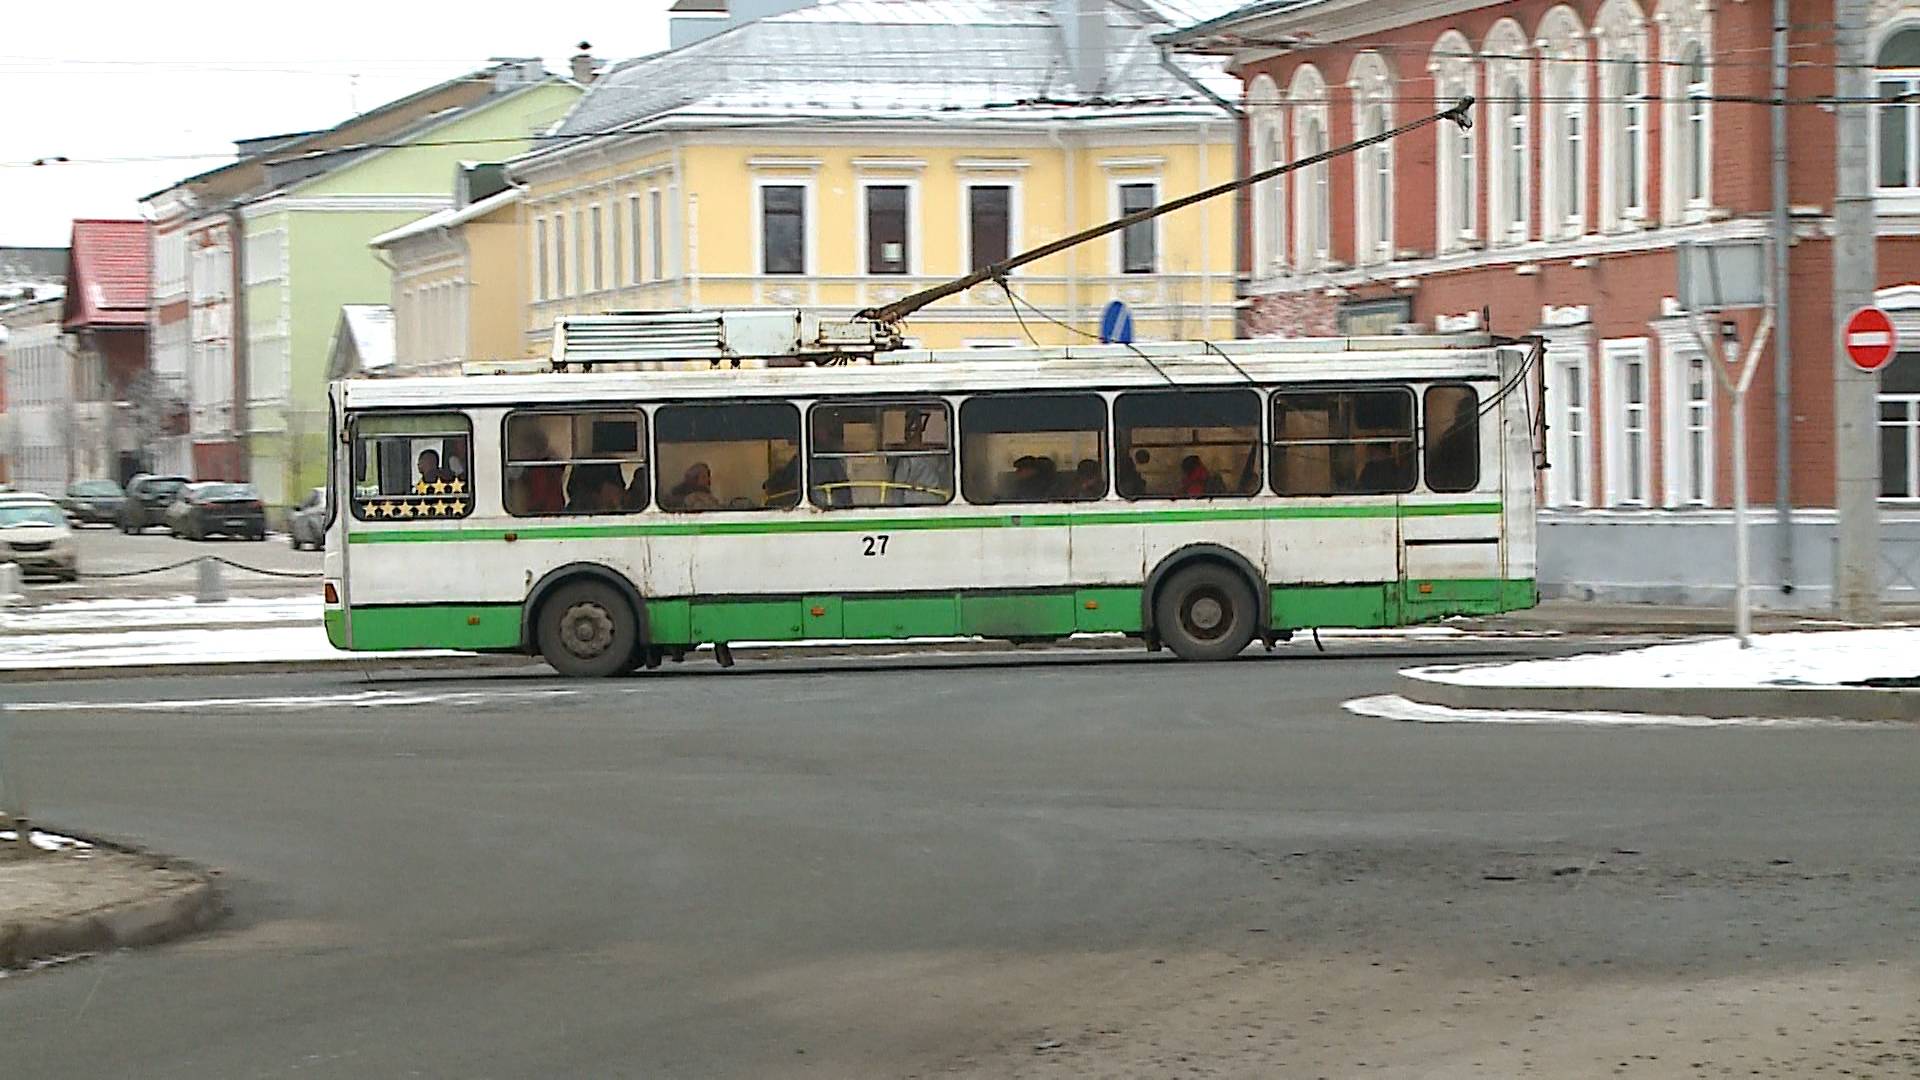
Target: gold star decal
[420, 487]
[458, 506]
[382, 509]
[457, 486]
[439, 487]
[439, 508]
[406, 509]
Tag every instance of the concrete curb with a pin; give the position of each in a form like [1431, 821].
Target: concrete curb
[1773, 703]
[149, 920]
[347, 663]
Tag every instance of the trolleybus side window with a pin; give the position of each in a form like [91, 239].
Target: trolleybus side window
[1452, 414]
[412, 466]
[576, 462]
[728, 456]
[1186, 444]
[1024, 448]
[1343, 442]
[880, 454]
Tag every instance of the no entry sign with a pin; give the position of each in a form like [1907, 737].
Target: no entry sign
[1869, 339]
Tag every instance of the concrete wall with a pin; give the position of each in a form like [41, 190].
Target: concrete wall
[1686, 557]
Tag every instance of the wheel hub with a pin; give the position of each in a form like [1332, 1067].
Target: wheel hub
[1206, 615]
[586, 630]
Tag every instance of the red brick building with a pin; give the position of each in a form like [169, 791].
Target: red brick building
[1607, 134]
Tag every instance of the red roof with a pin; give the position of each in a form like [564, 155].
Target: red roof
[107, 277]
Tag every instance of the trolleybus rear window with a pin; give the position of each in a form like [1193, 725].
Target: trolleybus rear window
[1453, 438]
[1343, 442]
[731, 456]
[1024, 448]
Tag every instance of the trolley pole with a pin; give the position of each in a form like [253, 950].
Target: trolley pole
[1856, 584]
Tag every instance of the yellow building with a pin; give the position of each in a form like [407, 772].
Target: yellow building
[848, 153]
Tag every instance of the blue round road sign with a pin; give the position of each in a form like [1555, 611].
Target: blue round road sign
[1116, 324]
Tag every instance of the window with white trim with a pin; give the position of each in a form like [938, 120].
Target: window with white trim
[1569, 427]
[560, 254]
[656, 215]
[1897, 122]
[599, 248]
[1563, 173]
[1622, 32]
[1696, 155]
[616, 253]
[1139, 246]
[1372, 85]
[1458, 189]
[1899, 402]
[1312, 196]
[636, 265]
[783, 229]
[579, 251]
[1264, 143]
[1628, 440]
[989, 224]
[542, 277]
[1689, 427]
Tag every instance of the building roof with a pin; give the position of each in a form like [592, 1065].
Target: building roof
[1217, 29]
[448, 218]
[700, 7]
[107, 279]
[900, 59]
[363, 344]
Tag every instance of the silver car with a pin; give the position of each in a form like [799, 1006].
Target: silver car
[34, 534]
[307, 525]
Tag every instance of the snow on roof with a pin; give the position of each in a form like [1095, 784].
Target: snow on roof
[368, 329]
[448, 218]
[897, 59]
[1215, 19]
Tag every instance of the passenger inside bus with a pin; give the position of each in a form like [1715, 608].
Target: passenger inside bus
[919, 478]
[1130, 481]
[1088, 482]
[694, 491]
[534, 489]
[1033, 478]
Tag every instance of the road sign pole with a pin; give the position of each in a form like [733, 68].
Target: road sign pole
[1856, 451]
[1736, 381]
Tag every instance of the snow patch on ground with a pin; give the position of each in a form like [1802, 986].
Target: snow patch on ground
[133, 614]
[1395, 707]
[356, 699]
[47, 841]
[1800, 659]
[254, 645]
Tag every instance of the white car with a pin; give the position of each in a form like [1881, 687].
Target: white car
[34, 535]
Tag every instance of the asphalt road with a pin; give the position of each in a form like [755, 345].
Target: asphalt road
[105, 551]
[991, 866]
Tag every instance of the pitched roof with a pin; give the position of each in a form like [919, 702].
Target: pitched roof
[1217, 23]
[108, 275]
[448, 218]
[363, 343]
[899, 59]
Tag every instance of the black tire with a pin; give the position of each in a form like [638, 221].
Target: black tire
[1205, 612]
[587, 630]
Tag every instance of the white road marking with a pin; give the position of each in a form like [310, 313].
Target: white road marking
[1395, 707]
[358, 699]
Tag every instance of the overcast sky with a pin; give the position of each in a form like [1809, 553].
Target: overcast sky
[110, 82]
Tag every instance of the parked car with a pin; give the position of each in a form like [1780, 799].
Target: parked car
[218, 508]
[34, 535]
[147, 499]
[307, 527]
[93, 502]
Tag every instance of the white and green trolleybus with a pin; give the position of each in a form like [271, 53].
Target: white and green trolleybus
[1197, 496]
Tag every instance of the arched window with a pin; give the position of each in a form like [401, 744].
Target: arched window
[1372, 86]
[1509, 135]
[1623, 53]
[1565, 108]
[1458, 190]
[1897, 130]
[1694, 160]
[1312, 198]
[1265, 145]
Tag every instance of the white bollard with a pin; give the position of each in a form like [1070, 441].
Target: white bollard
[213, 584]
[10, 584]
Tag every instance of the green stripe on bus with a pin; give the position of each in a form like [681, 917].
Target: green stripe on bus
[836, 524]
[1036, 613]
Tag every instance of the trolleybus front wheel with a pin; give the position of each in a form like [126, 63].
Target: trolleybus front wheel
[588, 630]
[1205, 612]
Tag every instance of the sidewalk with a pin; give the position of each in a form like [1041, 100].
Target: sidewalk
[1866, 675]
[62, 898]
[1591, 617]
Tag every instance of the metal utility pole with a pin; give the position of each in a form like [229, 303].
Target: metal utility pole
[1856, 581]
[1782, 293]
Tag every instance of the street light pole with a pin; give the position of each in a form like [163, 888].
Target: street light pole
[1856, 584]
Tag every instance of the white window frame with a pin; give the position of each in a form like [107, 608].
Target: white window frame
[1685, 29]
[1615, 356]
[1312, 188]
[916, 234]
[616, 249]
[560, 282]
[1621, 30]
[1116, 247]
[1897, 198]
[1371, 84]
[542, 258]
[636, 268]
[1266, 126]
[579, 214]
[1687, 417]
[1455, 74]
[597, 225]
[661, 219]
[1570, 427]
[1016, 220]
[1565, 214]
[809, 225]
